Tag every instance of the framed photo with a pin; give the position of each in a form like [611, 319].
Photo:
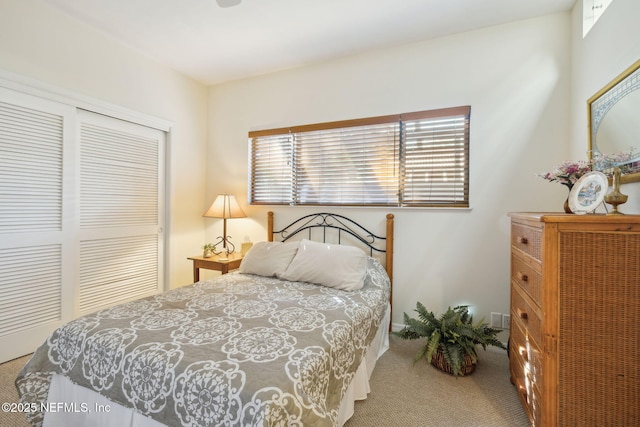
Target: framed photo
[588, 192]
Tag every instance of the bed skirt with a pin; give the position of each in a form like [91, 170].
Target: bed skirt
[79, 406]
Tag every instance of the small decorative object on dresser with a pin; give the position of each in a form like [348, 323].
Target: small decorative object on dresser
[451, 340]
[575, 304]
[567, 174]
[613, 166]
[588, 192]
[615, 197]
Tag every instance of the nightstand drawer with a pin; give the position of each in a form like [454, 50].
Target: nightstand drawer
[217, 262]
[527, 239]
[523, 313]
[527, 276]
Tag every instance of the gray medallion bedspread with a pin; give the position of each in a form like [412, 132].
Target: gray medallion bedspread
[239, 350]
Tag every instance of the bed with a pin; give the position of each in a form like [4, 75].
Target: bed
[289, 339]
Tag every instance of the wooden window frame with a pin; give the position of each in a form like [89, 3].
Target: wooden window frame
[430, 162]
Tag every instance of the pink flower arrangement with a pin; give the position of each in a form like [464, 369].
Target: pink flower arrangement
[567, 173]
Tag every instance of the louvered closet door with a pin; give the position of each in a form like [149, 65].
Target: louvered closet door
[121, 211]
[36, 247]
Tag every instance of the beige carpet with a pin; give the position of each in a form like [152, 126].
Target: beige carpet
[402, 394]
[8, 393]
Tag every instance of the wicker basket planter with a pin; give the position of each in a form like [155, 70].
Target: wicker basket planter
[450, 340]
[440, 362]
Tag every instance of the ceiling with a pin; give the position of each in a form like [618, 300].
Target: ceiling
[213, 44]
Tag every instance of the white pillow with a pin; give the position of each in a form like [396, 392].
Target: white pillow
[335, 266]
[268, 258]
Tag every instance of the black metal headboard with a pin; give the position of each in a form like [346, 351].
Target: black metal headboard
[342, 224]
[324, 221]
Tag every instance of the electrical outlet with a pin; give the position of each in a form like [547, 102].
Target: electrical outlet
[496, 320]
[506, 321]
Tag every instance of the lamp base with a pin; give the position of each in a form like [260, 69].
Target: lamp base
[227, 246]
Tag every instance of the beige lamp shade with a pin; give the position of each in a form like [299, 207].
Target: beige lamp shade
[225, 206]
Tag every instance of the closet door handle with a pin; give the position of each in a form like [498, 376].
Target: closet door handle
[522, 314]
[521, 276]
[523, 240]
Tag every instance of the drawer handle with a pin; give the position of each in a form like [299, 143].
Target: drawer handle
[523, 277]
[523, 240]
[522, 389]
[522, 314]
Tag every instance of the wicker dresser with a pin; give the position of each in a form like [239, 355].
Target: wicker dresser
[575, 310]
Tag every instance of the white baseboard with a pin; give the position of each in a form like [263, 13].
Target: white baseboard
[395, 327]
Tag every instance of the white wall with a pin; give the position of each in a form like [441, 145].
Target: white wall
[39, 42]
[514, 76]
[612, 45]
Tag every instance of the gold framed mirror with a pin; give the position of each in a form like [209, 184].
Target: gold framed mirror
[614, 119]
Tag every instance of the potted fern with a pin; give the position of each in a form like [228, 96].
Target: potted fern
[208, 250]
[450, 340]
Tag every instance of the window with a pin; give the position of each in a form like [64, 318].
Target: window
[592, 10]
[411, 159]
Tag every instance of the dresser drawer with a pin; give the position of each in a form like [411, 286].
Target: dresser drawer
[527, 352]
[527, 239]
[523, 314]
[528, 393]
[527, 276]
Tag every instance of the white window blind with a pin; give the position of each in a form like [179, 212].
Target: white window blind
[353, 165]
[412, 159]
[436, 159]
[272, 172]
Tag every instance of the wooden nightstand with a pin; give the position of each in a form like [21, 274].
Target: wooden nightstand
[215, 263]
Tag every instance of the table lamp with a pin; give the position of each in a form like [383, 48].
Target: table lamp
[225, 206]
